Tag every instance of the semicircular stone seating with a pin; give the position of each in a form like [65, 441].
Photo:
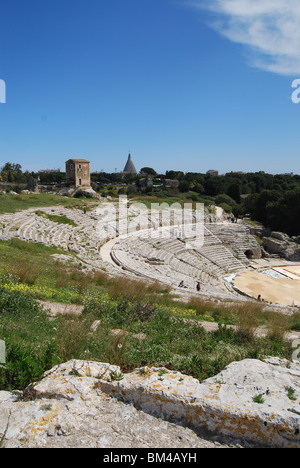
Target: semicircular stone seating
[141, 248]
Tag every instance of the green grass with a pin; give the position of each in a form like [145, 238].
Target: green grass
[34, 343]
[30, 268]
[28, 260]
[259, 399]
[173, 336]
[291, 393]
[26, 331]
[60, 219]
[10, 203]
[180, 199]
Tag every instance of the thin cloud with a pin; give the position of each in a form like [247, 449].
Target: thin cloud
[269, 28]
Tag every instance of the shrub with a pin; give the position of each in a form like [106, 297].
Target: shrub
[26, 272]
[24, 365]
[143, 312]
[15, 304]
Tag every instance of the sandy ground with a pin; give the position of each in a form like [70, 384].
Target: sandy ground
[284, 291]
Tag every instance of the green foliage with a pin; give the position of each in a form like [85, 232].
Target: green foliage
[14, 304]
[35, 344]
[259, 399]
[291, 393]
[184, 186]
[26, 331]
[277, 210]
[234, 192]
[60, 219]
[24, 365]
[10, 203]
[149, 171]
[12, 173]
[224, 198]
[226, 208]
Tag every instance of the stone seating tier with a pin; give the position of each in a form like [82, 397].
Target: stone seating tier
[167, 260]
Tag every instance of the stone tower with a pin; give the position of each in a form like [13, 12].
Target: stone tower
[78, 173]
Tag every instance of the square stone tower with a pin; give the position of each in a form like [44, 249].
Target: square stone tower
[78, 173]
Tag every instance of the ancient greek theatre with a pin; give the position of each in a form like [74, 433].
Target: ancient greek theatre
[221, 264]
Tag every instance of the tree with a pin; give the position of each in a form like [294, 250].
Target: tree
[212, 185]
[234, 192]
[283, 214]
[223, 198]
[12, 173]
[258, 205]
[184, 186]
[198, 188]
[149, 171]
[174, 175]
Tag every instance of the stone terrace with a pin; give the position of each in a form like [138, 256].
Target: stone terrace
[138, 254]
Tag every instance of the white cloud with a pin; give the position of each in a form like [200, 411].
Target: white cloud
[270, 28]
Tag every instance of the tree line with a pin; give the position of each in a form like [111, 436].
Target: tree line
[273, 200]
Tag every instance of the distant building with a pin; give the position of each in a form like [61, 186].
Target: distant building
[49, 171]
[212, 172]
[78, 173]
[129, 167]
[171, 183]
[146, 182]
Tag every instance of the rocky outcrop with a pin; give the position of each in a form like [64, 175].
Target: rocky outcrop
[278, 243]
[92, 404]
[282, 245]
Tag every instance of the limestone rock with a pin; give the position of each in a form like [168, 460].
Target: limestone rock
[91, 404]
[67, 410]
[224, 404]
[87, 192]
[281, 244]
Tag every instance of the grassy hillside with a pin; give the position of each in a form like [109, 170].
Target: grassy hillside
[10, 203]
[130, 334]
[139, 323]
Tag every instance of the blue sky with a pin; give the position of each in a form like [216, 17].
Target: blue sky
[184, 85]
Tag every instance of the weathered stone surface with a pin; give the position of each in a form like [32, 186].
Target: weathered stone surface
[88, 192]
[67, 410]
[282, 245]
[56, 308]
[224, 404]
[82, 404]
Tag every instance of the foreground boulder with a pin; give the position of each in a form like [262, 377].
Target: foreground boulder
[82, 404]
